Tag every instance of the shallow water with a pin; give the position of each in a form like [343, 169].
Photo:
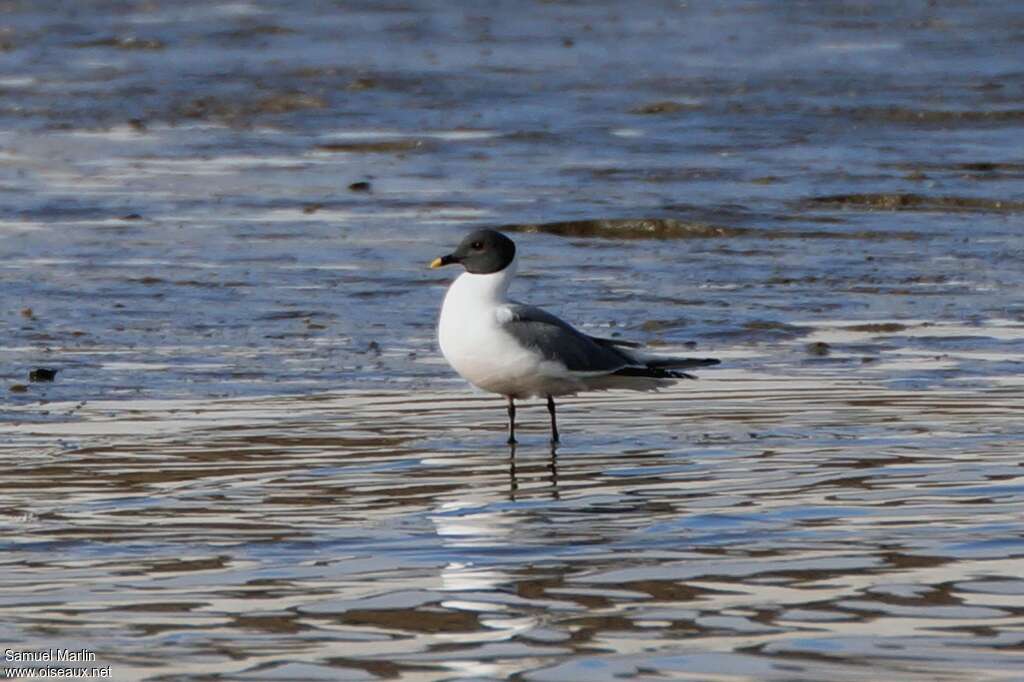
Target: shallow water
[253, 463]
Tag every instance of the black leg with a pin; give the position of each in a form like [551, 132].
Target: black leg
[554, 425]
[511, 421]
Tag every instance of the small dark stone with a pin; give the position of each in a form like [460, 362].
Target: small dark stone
[819, 348]
[42, 374]
[27, 312]
[309, 209]
[18, 388]
[361, 186]
[131, 216]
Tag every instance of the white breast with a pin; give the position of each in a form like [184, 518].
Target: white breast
[478, 348]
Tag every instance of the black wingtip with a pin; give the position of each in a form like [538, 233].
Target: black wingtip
[667, 368]
[682, 363]
[652, 373]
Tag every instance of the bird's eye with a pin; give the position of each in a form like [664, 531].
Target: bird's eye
[477, 245]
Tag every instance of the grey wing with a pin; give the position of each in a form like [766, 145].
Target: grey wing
[557, 340]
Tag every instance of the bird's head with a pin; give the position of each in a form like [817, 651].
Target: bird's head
[482, 252]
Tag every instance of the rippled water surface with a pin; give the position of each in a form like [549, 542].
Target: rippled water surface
[254, 465]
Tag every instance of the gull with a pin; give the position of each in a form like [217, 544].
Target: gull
[520, 351]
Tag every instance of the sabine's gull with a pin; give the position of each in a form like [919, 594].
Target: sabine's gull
[521, 351]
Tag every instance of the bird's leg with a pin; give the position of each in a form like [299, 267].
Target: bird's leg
[554, 425]
[511, 421]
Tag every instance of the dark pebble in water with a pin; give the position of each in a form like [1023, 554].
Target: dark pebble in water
[819, 348]
[131, 216]
[361, 186]
[18, 388]
[27, 312]
[309, 209]
[42, 374]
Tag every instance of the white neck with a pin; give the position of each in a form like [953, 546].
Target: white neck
[491, 288]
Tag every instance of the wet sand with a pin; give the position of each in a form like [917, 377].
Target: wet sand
[747, 528]
[252, 463]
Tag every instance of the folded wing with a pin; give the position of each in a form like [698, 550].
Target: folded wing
[559, 341]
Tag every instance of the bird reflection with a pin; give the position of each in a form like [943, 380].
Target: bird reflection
[553, 468]
[513, 482]
[513, 477]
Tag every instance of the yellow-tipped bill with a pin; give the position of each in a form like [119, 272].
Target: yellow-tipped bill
[444, 260]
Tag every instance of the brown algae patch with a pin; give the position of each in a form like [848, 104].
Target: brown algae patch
[125, 43]
[973, 170]
[898, 114]
[632, 228]
[381, 146]
[897, 201]
[666, 107]
[878, 327]
[234, 111]
[673, 228]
